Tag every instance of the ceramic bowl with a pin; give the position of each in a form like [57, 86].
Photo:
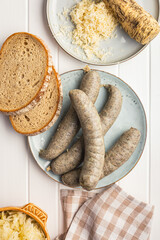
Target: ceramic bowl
[34, 212]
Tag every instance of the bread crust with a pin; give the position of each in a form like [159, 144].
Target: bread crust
[55, 114]
[32, 103]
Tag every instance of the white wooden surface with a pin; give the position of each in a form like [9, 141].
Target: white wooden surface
[21, 180]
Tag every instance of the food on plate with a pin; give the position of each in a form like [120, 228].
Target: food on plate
[18, 226]
[71, 179]
[93, 139]
[70, 125]
[138, 23]
[74, 156]
[93, 22]
[91, 84]
[25, 69]
[121, 151]
[45, 113]
[111, 110]
[70, 159]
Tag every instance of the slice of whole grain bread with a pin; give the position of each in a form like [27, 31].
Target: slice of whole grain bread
[45, 113]
[25, 69]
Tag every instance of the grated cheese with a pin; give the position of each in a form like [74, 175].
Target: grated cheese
[19, 226]
[93, 22]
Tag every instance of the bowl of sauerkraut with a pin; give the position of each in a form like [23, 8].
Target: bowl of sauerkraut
[26, 223]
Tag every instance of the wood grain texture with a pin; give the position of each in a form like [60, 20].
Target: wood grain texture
[13, 157]
[154, 167]
[136, 73]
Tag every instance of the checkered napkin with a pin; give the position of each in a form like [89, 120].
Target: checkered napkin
[109, 215]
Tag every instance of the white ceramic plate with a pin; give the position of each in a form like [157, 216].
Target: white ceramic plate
[121, 48]
[132, 115]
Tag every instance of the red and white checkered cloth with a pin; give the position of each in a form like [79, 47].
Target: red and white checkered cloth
[109, 215]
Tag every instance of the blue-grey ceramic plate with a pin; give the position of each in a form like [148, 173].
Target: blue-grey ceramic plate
[117, 49]
[131, 115]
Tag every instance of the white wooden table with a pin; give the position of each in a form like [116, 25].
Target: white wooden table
[21, 180]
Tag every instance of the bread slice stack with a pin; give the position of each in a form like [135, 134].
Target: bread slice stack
[44, 114]
[30, 88]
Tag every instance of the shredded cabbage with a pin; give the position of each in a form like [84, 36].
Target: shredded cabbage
[93, 22]
[19, 226]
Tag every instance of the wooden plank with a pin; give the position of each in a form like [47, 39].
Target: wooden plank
[13, 159]
[14, 17]
[136, 73]
[154, 133]
[42, 190]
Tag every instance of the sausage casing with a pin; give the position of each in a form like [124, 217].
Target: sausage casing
[114, 158]
[93, 139]
[70, 159]
[70, 125]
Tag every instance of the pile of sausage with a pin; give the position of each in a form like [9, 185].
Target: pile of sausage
[89, 150]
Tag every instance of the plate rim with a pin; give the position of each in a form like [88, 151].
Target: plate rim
[146, 133]
[90, 62]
